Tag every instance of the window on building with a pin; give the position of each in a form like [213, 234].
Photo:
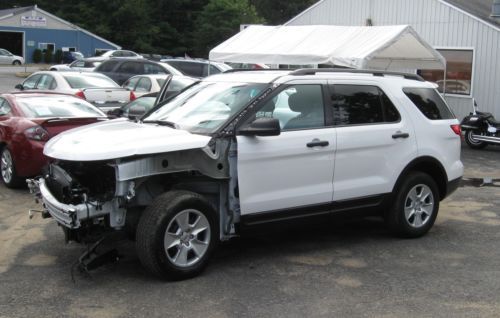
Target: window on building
[47, 46]
[458, 72]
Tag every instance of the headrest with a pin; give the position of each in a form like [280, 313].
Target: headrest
[299, 102]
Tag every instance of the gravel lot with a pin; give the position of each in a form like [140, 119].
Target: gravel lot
[334, 269]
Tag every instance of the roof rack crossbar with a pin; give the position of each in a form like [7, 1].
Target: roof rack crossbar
[313, 71]
[233, 70]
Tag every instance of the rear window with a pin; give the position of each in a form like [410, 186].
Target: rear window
[57, 106]
[80, 81]
[429, 103]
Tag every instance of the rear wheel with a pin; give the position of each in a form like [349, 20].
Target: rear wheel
[8, 170]
[415, 206]
[176, 235]
[473, 142]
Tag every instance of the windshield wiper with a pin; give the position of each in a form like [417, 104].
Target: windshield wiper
[162, 123]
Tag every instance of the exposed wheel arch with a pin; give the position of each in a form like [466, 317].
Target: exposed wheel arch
[430, 166]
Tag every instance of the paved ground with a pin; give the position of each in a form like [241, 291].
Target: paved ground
[8, 77]
[330, 270]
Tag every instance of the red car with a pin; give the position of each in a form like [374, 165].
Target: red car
[28, 121]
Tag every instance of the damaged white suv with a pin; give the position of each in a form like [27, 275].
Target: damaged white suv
[244, 148]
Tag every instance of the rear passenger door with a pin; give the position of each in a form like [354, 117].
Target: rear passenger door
[375, 139]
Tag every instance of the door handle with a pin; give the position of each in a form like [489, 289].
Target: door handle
[317, 143]
[400, 134]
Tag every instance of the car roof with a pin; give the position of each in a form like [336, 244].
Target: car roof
[283, 76]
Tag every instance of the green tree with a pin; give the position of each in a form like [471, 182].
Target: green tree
[47, 56]
[219, 20]
[277, 12]
[37, 56]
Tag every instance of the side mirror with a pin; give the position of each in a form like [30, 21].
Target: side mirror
[19, 87]
[115, 112]
[261, 127]
[136, 111]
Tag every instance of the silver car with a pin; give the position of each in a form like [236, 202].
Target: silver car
[8, 58]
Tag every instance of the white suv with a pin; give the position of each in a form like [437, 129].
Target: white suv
[244, 148]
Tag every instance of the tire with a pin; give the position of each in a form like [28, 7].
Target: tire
[8, 170]
[184, 254]
[473, 143]
[407, 220]
[16, 62]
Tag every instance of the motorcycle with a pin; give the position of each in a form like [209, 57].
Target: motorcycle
[480, 128]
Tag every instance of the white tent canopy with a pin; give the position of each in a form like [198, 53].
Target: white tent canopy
[374, 47]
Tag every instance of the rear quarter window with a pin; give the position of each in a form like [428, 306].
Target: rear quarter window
[428, 101]
[107, 66]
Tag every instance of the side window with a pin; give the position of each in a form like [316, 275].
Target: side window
[188, 68]
[46, 82]
[361, 104]
[131, 83]
[78, 64]
[429, 103]
[144, 85]
[213, 70]
[117, 54]
[30, 82]
[296, 107]
[153, 69]
[131, 68]
[107, 66]
[4, 107]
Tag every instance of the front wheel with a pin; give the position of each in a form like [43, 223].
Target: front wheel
[176, 235]
[16, 62]
[473, 142]
[415, 206]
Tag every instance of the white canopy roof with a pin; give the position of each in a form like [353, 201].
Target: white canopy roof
[375, 47]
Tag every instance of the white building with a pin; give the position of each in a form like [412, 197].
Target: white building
[466, 32]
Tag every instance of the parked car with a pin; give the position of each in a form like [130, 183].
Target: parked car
[121, 70]
[197, 68]
[96, 88]
[135, 108]
[144, 84]
[28, 121]
[248, 66]
[216, 159]
[116, 54]
[8, 58]
[68, 57]
[76, 66]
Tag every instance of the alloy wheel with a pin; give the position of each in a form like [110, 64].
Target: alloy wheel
[187, 238]
[419, 205]
[6, 166]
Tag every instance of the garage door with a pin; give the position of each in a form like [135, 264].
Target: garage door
[12, 41]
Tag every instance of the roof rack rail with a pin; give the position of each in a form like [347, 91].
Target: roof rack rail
[233, 70]
[313, 71]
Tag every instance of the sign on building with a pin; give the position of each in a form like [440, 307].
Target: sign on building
[33, 21]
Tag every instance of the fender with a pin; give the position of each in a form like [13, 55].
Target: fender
[429, 165]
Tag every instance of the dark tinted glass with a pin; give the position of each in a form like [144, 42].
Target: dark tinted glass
[131, 68]
[356, 104]
[390, 112]
[107, 66]
[188, 68]
[429, 103]
[150, 68]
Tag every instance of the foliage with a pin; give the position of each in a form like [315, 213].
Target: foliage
[37, 55]
[219, 20]
[173, 27]
[47, 56]
[58, 56]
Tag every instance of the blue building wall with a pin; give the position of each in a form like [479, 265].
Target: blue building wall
[83, 42]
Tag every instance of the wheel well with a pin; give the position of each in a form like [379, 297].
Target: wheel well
[2, 144]
[430, 166]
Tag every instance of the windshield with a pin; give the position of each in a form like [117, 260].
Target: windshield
[89, 81]
[57, 106]
[206, 106]
[145, 101]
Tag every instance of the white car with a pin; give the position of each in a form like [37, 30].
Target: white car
[96, 88]
[217, 158]
[113, 54]
[76, 66]
[145, 84]
[8, 58]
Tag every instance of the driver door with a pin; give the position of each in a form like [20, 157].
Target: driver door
[295, 168]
